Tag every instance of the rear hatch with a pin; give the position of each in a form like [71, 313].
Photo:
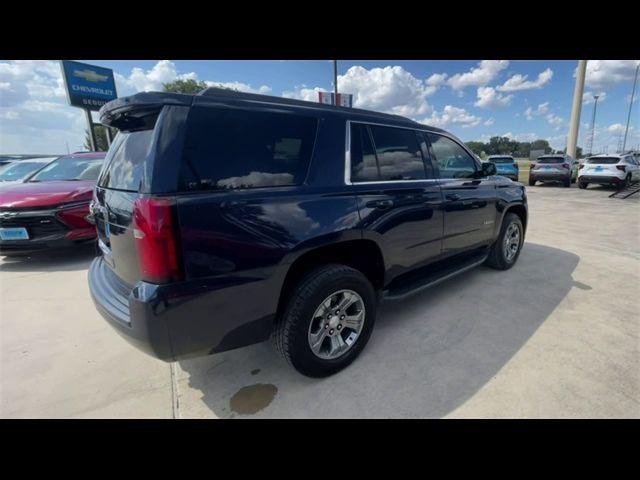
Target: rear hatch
[124, 204]
[550, 165]
[504, 164]
[606, 166]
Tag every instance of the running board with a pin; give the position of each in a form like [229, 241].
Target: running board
[431, 279]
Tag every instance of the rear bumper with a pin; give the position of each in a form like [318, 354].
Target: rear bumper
[24, 247]
[554, 176]
[186, 319]
[600, 179]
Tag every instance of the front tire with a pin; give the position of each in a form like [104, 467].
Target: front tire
[505, 251]
[311, 336]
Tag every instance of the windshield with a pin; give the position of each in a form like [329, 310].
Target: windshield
[501, 159]
[19, 170]
[603, 160]
[551, 160]
[69, 168]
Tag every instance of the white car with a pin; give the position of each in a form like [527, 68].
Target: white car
[617, 169]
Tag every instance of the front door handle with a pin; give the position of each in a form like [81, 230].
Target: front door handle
[453, 196]
[380, 204]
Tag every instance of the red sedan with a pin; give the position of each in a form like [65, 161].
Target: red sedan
[50, 209]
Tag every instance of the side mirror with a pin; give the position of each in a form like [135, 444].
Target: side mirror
[488, 169]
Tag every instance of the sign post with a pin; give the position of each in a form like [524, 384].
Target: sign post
[88, 87]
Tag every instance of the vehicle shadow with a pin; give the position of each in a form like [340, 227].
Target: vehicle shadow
[77, 258]
[426, 357]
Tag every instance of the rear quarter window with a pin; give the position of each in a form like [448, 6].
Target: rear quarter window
[228, 149]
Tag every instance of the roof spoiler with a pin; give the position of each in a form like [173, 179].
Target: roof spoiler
[131, 112]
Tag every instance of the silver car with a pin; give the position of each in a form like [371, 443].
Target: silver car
[554, 168]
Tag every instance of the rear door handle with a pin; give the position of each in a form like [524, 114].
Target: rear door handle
[453, 196]
[380, 204]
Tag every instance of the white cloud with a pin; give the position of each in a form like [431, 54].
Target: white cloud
[555, 121]
[242, 87]
[140, 80]
[451, 115]
[522, 137]
[304, 93]
[519, 82]
[388, 89]
[557, 142]
[617, 128]
[541, 109]
[479, 76]
[587, 97]
[602, 73]
[489, 122]
[489, 98]
[434, 82]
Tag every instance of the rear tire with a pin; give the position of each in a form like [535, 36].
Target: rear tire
[626, 182]
[567, 182]
[532, 182]
[582, 185]
[293, 331]
[498, 257]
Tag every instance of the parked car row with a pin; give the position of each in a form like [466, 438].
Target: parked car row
[49, 207]
[616, 170]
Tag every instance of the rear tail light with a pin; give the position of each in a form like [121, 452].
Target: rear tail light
[75, 217]
[622, 167]
[154, 230]
[532, 166]
[565, 165]
[581, 166]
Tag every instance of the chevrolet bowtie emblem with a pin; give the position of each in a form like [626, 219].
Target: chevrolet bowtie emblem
[89, 75]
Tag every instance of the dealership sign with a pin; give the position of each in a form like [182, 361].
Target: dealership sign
[88, 86]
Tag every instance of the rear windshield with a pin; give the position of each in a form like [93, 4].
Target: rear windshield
[501, 159]
[551, 160]
[125, 161]
[70, 168]
[232, 149]
[603, 161]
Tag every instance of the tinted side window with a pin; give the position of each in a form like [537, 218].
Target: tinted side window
[229, 149]
[398, 153]
[453, 161]
[364, 166]
[124, 163]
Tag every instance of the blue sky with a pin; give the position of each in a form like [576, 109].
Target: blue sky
[474, 99]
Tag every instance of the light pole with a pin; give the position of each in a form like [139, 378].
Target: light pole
[593, 124]
[572, 138]
[633, 91]
[335, 79]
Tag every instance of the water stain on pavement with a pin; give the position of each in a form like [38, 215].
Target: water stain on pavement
[253, 398]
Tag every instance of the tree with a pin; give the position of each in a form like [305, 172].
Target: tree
[101, 138]
[541, 145]
[476, 147]
[189, 85]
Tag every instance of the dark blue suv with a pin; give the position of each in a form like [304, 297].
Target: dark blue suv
[226, 218]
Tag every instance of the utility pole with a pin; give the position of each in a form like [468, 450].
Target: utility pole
[633, 91]
[593, 123]
[577, 107]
